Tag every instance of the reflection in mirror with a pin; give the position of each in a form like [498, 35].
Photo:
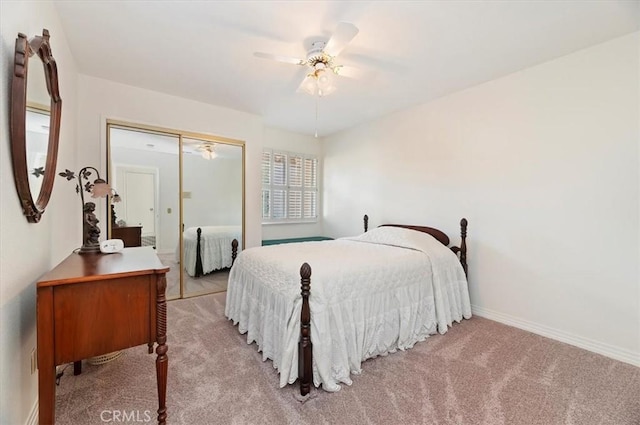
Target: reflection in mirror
[144, 167]
[151, 171]
[35, 123]
[37, 140]
[212, 195]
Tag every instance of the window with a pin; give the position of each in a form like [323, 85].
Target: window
[289, 187]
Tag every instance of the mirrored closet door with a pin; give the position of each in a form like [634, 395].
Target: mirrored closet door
[182, 194]
[211, 212]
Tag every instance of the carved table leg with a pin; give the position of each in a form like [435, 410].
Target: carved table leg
[162, 361]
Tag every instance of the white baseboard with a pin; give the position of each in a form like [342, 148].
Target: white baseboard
[608, 350]
[33, 415]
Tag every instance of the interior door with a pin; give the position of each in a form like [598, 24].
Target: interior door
[137, 187]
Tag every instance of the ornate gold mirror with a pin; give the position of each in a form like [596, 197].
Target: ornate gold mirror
[35, 123]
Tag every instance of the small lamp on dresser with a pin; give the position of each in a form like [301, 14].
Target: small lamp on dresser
[98, 188]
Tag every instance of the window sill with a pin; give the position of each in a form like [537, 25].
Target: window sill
[270, 223]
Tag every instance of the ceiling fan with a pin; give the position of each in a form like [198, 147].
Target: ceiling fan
[207, 150]
[320, 60]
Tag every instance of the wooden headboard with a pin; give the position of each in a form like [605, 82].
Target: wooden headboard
[438, 234]
[460, 251]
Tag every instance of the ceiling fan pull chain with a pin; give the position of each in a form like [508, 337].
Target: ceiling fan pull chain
[317, 116]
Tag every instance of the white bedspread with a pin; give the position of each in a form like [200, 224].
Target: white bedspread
[215, 246]
[370, 295]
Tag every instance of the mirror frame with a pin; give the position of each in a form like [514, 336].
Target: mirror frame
[25, 49]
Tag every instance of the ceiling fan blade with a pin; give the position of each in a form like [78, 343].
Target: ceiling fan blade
[285, 59]
[347, 71]
[345, 32]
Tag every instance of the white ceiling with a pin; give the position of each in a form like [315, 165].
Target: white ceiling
[411, 51]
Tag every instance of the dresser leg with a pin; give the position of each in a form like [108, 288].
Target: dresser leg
[46, 393]
[162, 361]
[46, 366]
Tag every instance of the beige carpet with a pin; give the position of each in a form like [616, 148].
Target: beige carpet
[480, 372]
[208, 284]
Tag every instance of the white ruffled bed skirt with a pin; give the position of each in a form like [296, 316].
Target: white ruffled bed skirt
[370, 295]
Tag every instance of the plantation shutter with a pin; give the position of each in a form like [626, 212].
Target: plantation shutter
[266, 182]
[310, 201]
[289, 186]
[279, 169]
[295, 187]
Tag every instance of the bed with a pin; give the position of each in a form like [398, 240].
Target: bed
[373, 294]
[210, 248]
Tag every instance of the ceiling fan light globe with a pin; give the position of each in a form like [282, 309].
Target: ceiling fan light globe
[309, 85]
[324, 81]
[206, 154]
[207, 151]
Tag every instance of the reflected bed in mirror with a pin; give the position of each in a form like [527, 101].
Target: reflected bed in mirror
[35, 123]
[210, 248]
[212, 184]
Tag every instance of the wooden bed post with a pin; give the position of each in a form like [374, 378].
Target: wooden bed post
[199, 271]
[463, 244]
[234, 251]
[366, 223]
[305, 354]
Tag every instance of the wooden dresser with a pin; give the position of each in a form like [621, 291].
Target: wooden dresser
[130, 235]
[93, 304]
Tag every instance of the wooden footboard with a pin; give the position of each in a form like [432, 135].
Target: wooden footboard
[305, 346]
[199, 271]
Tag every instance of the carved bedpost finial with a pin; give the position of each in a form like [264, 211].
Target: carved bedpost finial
[305, 271]
[234, 250]
[366, 223]
[463, 244]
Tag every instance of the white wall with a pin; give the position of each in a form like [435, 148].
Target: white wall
[299, 143]
[102, 100]
[27, 251]
[215, 188]
[544, 164]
